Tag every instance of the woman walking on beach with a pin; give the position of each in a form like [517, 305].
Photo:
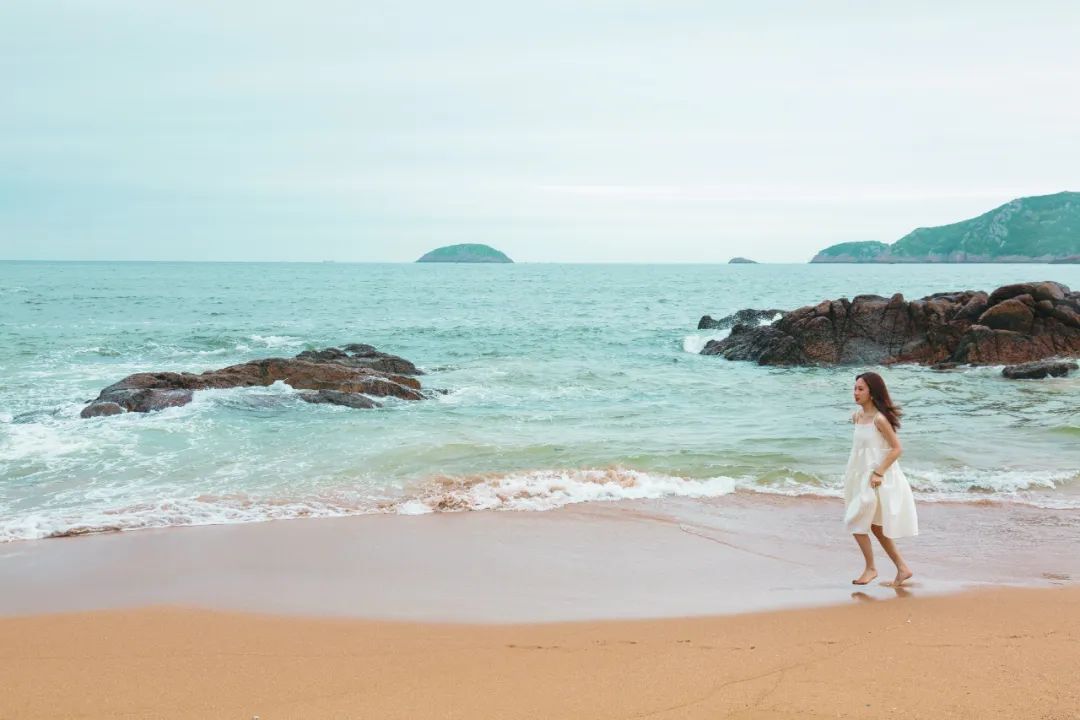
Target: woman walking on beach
[877, 496]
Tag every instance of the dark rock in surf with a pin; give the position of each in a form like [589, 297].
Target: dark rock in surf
[334, 397]
[747, 316]
[100, 408]
[1039, 370]
[342, 376]
[1014, 324]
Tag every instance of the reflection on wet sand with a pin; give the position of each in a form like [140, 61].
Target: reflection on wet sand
[901, 591]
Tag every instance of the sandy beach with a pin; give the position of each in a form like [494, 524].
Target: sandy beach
[990, 654]
[666, 609]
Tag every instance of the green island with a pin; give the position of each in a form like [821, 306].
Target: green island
[465, 253]
[1040, 229]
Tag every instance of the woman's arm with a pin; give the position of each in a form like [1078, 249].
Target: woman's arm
[895, 449]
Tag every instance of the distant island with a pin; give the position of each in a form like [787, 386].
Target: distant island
[742, 261]
[465, 253]
[1041, 229]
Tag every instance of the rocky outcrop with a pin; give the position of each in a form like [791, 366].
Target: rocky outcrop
[362, 356]
[341, 376]
[1039, 370]
[121, 399]
[747, 316]
[1014, 324]
[742, 261]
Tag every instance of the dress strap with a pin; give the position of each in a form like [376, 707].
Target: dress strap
[857, 418]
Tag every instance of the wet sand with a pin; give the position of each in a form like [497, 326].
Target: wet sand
[644, 609]
[740, 553]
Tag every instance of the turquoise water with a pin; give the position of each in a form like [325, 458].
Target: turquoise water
[566, 383]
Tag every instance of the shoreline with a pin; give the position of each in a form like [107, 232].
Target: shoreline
[673, 557]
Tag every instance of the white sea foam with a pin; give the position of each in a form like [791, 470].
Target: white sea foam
[524, 491]
[37, 441]
[211, 395]
[276, 341]
[548, 489]
[479, 394]
[988, 481]
[696, 343]
[203, 510]
[1036, 488]
[104, 509]
[1040, 488]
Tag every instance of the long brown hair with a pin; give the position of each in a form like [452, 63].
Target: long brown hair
[879, 395]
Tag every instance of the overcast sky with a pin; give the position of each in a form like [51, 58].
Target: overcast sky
[577, 131]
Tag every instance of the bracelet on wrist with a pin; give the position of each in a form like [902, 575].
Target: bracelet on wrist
[875, 472]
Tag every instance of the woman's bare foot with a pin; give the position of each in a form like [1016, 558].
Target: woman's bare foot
[902, 576]
[868, 575]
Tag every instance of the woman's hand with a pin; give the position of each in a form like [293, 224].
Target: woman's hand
[875, 480]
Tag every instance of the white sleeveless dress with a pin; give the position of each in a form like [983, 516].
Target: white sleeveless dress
[890, 505]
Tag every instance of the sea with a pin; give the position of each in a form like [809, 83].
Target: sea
[560, 384]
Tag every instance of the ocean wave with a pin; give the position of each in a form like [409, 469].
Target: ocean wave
[998, 481]
[522, 491]
[178, 512]
[21, 442]
[511, 398]
[276, 341]
[197, 346]
[540, 490]
[1045, 489]
[95, 350]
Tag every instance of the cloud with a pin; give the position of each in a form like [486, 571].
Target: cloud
[573, 131]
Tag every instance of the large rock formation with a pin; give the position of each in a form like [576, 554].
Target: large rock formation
[1014, 324]
[344, 376]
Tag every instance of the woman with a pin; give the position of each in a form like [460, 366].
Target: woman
[876, 493]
